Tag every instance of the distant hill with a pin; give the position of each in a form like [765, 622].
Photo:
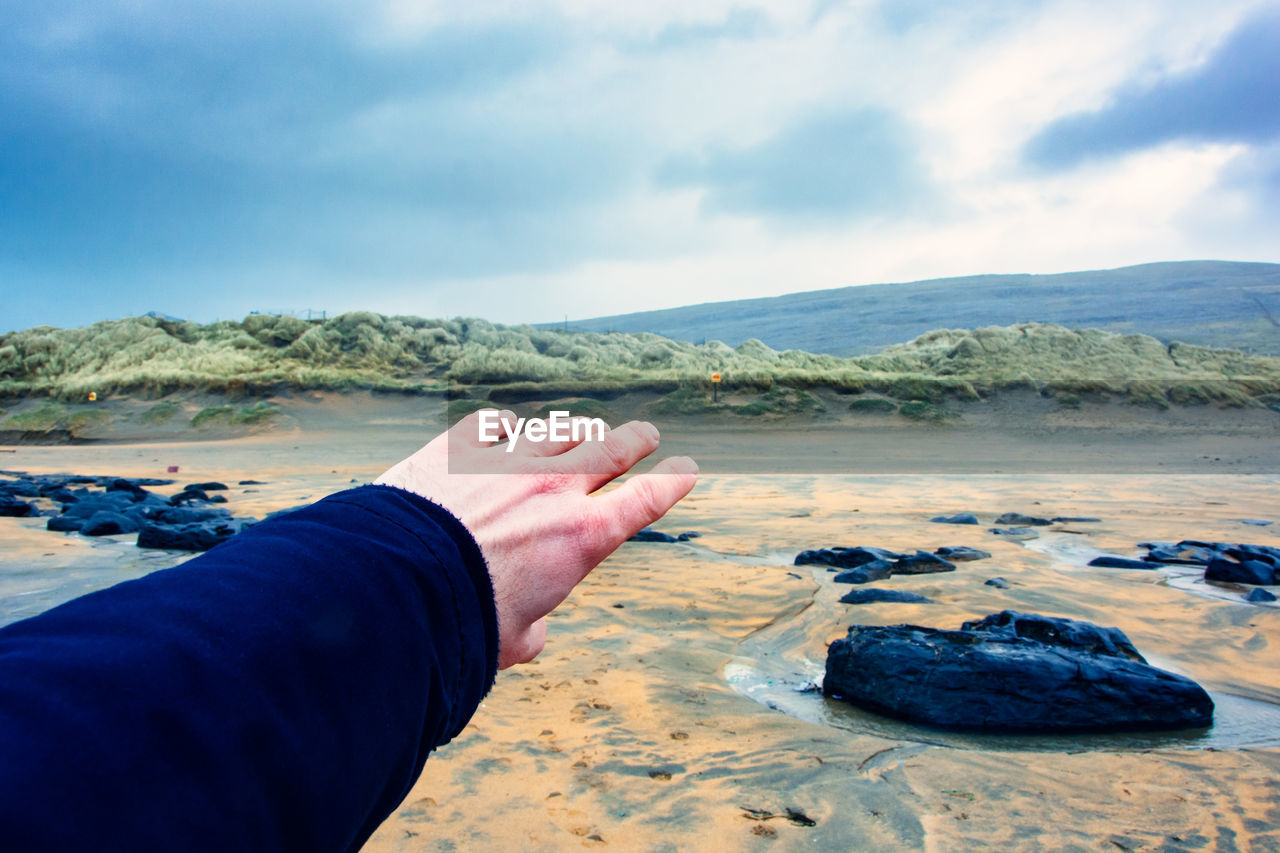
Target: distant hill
[1209, 303]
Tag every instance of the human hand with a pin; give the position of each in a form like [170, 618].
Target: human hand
[533, 515]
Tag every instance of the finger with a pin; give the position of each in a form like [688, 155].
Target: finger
[482, 428]
[578, 429]
[645, 498]
[602, 461]
[524, 648]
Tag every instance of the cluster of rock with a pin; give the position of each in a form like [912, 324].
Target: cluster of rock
[1023, 526]
[864, 564]
[1224, 562]
[1015, 518]
[101, 506]
[1012, 672]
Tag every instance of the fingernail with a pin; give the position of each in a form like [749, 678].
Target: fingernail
[682, 465]
[651, 430]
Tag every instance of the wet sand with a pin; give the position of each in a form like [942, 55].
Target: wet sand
[664, 714]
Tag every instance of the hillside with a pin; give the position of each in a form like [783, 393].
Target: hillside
[476, 360]
[1210, 303]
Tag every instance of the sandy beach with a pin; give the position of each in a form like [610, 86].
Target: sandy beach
[668, 711]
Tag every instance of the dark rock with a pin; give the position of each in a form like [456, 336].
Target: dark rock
[218, 499]
[186, 515]
[958, 518]
[120, 484]
[106, 523]
[876, 570]
[1108, 561]
[1253, 552]
[1020, 520]
[1259, 595]
[1254, 572]
[251, 483]
[870, 596]
[20, 489]
[1055, 630]
[211, 486]
[200, 536]
[648, 534]
[64, 524]
[15, 508]
[188, 496]
[687, 535]
[922, 563]
[961, 553]
[1015, 532]
[844, 558]
[1256, 522]
[119, 501]
[1075, 519]
[1011, 673]
[998, 583]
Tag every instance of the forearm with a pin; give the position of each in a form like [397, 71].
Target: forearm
[279, 692]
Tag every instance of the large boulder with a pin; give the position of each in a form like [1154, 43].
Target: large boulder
[1011, 673]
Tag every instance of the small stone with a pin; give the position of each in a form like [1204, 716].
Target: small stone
[876, 570]
[961, 553]
[1259, 595]
[958, 518]
[1021, 520]
[1107, 561]
[648, 534]
[922, 563]
[1015, 532]
[998, 583]
[871, 596]
[106, 523]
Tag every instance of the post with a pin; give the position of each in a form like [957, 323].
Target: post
[715, 387]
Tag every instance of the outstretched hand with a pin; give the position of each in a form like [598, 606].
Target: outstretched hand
[533, 513]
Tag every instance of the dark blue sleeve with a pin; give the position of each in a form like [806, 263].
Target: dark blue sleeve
[280, 692]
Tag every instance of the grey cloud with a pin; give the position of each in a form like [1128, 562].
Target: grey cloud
[1233, 97]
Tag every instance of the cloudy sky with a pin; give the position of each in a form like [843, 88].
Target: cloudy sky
[526, 159]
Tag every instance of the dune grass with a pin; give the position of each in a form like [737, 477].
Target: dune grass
[160, 413]
[51, 416]
[505, 365]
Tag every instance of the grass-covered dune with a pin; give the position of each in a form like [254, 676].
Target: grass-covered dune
[476, 359]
